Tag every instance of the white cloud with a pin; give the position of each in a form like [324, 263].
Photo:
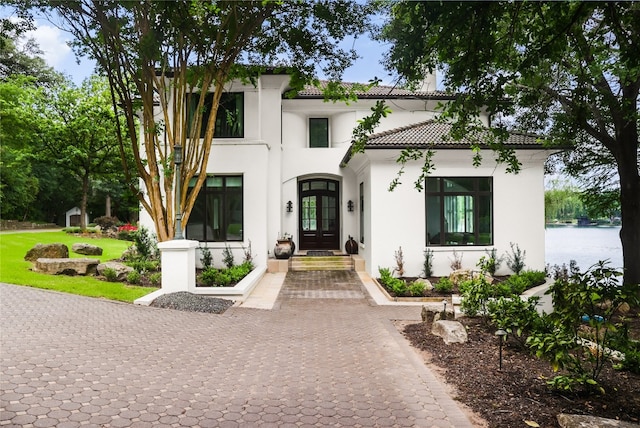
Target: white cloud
[53, 43]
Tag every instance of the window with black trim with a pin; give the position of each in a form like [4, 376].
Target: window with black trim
[217, 214]
[459, 211]
[318, 132]
[229, 118]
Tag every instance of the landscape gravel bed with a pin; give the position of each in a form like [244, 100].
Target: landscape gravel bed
[189, 302]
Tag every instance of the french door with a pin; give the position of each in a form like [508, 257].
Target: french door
[319, 216]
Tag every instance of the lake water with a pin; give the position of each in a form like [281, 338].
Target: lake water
[585, 245]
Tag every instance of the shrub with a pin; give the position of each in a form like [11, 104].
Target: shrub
[427, 268]
[395, 285]
[416, 288]
[584, 306]
[106, 222]
[155, 279]
[475, 295]
[456, 262]
[227, 257]
[515, 259]
[125, 235]
[145, 244]
[444, 285]
[516, 316]
[110, 274]
[248, 255]
[142, 266]
[205, 257]
[134, 277]
[213, 277]
[533, 277]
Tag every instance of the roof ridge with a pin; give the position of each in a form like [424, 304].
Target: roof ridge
[402, 128]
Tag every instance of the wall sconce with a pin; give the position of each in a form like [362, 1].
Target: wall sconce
[289, 206]
[350, 206]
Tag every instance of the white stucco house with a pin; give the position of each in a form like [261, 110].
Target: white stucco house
[286, 167]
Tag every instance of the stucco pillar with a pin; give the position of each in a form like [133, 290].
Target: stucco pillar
[178, 260]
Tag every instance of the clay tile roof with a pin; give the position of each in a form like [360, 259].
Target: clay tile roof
[386, 92]
[434, 134]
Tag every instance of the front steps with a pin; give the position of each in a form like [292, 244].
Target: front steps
[307, 263]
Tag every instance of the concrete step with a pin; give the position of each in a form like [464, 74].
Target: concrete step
[306, 263]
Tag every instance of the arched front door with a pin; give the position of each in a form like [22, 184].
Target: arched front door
[319, 216]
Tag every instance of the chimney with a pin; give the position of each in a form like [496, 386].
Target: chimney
[428, 84]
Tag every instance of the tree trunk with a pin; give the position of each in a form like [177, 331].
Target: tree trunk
[630, 207]
[107, 209]
[83, 203]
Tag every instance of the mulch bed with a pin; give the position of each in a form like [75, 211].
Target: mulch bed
[518, 393]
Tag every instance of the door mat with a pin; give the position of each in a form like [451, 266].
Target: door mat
[319, 253]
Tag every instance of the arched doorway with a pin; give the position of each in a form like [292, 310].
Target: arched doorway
[319, 216]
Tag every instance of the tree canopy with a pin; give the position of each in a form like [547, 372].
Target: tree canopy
[170, 54]
[567, 70]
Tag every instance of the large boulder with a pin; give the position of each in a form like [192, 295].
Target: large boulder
[585, 421]
[86, 249]
[449, 331]
[66, 266]
[121, 269]
[49, 251]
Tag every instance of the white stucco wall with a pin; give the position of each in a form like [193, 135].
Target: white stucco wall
[398, 217]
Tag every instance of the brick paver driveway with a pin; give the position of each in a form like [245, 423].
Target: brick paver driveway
[324, 357]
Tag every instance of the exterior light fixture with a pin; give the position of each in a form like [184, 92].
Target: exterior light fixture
[177, 160]
[350, 206]
[289, 206]
[444, 309]
[501, 335]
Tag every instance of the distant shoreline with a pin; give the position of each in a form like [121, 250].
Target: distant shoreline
[607, 226]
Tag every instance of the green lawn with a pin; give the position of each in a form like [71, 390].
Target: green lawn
[15, 270]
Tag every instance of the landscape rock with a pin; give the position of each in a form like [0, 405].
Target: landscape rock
[425, 282]
[449, 331]
[121, 269]
[130, 253]
[66, 266]
[431, 314]
[52, 251]
[86, 249]
[586, 421]
[461, 275]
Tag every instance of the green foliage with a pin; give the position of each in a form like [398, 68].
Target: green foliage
[444, 285]
[110, 274]
[205, 257]
[78, 229]
[396, 285]
[491, 263]
[106, 222]
[518, 317]
[144, 266]
[126, 235]
[134, 277]
[227, 257]
[583, 330]
[416, 288]
[475, 296]
[427, 266]
[515, 258]
[563, 204]
[155, 279]
[146, 244]
[213, 277]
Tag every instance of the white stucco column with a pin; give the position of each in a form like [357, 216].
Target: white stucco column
[178, 261]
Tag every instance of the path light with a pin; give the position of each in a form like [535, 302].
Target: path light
[501, 335]
[177, 160]
[444, 309]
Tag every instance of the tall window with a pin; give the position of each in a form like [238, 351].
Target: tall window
[217, 214]
[459, 210]
[318, 132]
[230, 116]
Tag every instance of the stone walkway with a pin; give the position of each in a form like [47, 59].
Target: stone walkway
[325, 356]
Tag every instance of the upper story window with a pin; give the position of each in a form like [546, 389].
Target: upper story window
[459, 211]
[217, 214]
[318, 132]
[230, 116]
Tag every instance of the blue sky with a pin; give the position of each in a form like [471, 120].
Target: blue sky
[57, 53]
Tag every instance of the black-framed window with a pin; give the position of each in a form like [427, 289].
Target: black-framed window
[459, 211]
[217, 214]
[318, 132]
[230, 116]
